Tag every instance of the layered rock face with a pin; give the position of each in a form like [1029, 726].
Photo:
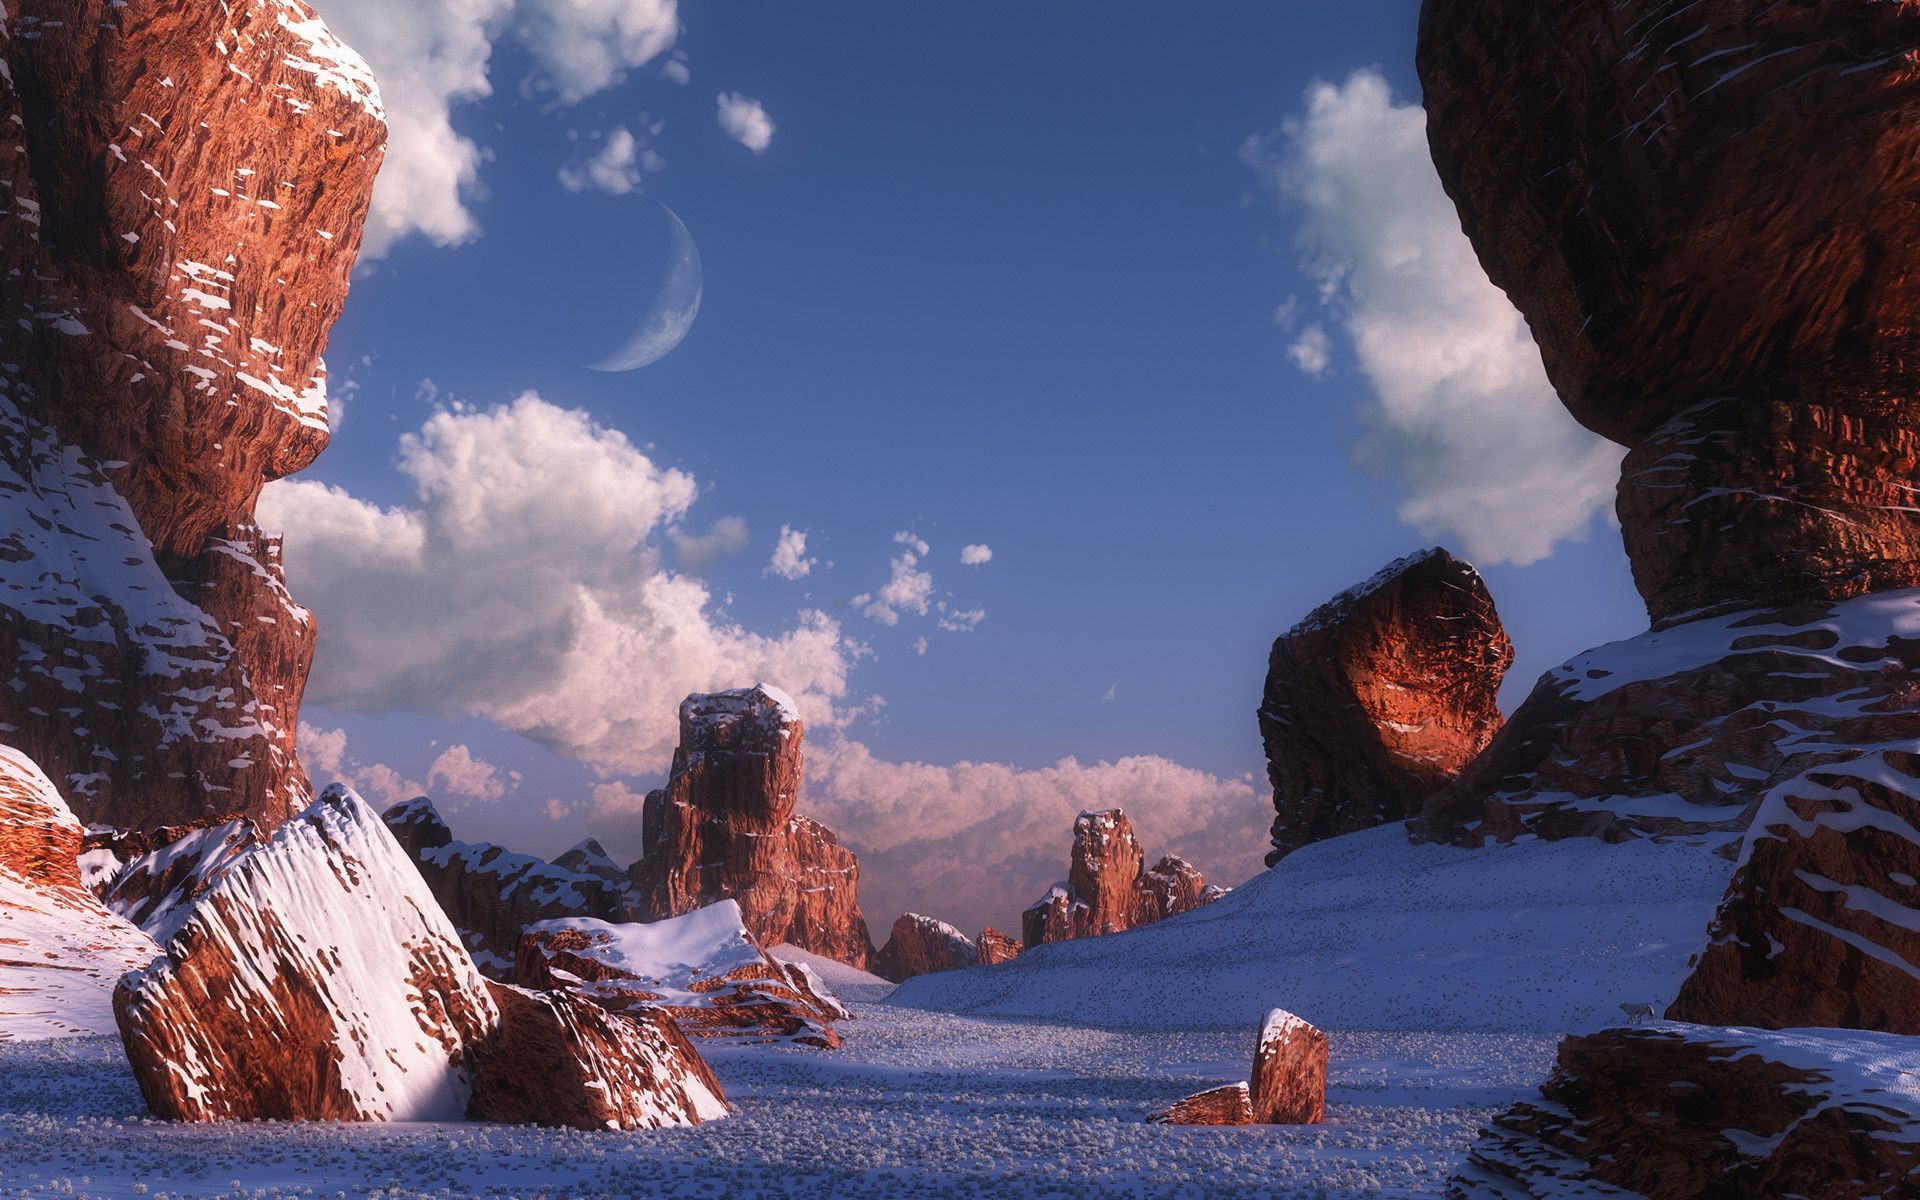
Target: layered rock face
[1703, 211]
[1289, 1085]
[725, 827]
[60, 950]
[704, 969]
[560, 1059]
[157, 875]
[314, 980]
[1379, 697]
[1108, 887]
[993, 947]
[920, 945]
[1682, 1113]
[492, 894]
[185, 186]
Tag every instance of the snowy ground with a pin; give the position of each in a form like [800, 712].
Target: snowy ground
[915, 1104]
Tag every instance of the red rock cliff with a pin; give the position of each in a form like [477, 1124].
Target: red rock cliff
[182, 187]
[1109, 888]
[725, 827]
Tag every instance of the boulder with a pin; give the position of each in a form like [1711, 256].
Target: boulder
[993, 947]
[1702, 210]
[1380, 697]
[1289, 1085]
[920, 946]
[315, 979]
[1229, 1105]
[725, 827]
[493, 894]
[157, 875]
[559, 1059]
[184, 192]
[1687, 1113]
[702, 968]
[60, 949]
[1108, 888]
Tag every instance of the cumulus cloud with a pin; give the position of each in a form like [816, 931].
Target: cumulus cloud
[1312, 352]
[790, 559]
[975, 555]
[433, 56]
[457, 772]
[523, 583]
[677, 71]
[613, 169]
[745, 121]
[978, 842]
[1462, 416]
[908, 589]
[725, 538]
[323, 752]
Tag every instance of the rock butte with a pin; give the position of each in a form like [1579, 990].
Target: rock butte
[182, 224]
[920, 945]
[725, 827]
[1109, 888]
[1379, 697]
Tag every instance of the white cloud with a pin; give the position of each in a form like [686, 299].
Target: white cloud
[615, 169]
[975, 555]
[745, 121]
[980, 841]
[458, 773]
[725, 538]
[959, 620]
[1106, 697]
[908, 588]
[433, 56]
[523, 584]
[1312, 352]
[1462, 415]
[323, 752]
[913, 541]
[677, 71]
[920, 644]
[790, 559]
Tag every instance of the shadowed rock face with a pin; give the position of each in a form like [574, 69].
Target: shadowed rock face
[725, 827]
[1109, 888]
[1380, 697]
[183, 187]
[1705, 212]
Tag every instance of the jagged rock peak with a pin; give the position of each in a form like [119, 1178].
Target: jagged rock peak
[1108, 887]
[921, 945]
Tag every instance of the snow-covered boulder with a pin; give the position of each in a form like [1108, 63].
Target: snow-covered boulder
[60, 949]
[1289, 1085]
[153, 877]
[315, 979]
[560, 1059]
[704, 968]
[921, 945]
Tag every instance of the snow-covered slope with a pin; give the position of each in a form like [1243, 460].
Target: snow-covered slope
[1368, 931]
[848, 983]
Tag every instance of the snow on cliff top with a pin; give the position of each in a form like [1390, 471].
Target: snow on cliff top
[1369, 931]
[710, 708]
[667, 955]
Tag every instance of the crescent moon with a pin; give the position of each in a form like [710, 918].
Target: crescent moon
[674, 306]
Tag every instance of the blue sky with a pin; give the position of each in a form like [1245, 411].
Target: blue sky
[1004, 275]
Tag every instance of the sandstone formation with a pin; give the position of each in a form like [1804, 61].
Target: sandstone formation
[1379, 697]
[1108, 888]
[60, 949]
[725, 827]
[493, 894]
[993, 947]
[1289, 1085]
[154, 877]
[920, 946]
[560, 1059]
[183, 187]
[1682, 1113]
[315, 979]
[703, 968]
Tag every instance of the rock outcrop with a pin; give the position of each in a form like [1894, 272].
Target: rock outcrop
[559, 1059]
[60, 950]
[316, 979]
[183, 187]
[994, 947]
[703, 968]
[1684, 1113]
[493, 894]
[725, 827]
[1379, 697]
[921, 945]
[1289, 1085]
[1108, 888]
[154, 877]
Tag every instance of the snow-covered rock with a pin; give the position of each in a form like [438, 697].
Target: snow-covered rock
[1108, 886]
[61, 950]
[161, 872]
[703, 967]
[919, 945]
[1681, 1112]
[316, 979]
[1228, 1105]
[1289, 1084]
[560, 1059]
[1370, 931]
